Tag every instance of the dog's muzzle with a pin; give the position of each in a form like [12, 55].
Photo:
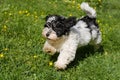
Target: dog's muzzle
[49, 34]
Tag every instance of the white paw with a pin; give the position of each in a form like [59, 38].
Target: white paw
[60, 65]
[50, 50]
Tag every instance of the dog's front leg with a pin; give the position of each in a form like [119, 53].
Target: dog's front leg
[49, 49]
[67, 54]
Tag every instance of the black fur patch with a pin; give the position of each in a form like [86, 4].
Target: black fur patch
[89, 21]
[60, 25]
[70, 22]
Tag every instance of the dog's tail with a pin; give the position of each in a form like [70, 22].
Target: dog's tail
[89, 10]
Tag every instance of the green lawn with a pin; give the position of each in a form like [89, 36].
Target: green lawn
[21, 42]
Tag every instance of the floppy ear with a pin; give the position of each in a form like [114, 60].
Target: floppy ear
[70, 22]
[61, 18]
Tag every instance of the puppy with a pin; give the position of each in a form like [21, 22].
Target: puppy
[65, 35]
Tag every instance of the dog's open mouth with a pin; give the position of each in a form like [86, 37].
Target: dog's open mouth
[49, 39]
[52, 40]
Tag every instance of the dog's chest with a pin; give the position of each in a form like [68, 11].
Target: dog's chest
[57, 44]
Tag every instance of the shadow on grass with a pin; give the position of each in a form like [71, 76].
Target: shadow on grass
[81, 54]
[84, 52]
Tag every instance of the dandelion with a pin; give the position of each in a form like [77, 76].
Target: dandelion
[36, 16]
[70, 14]
[10, 14]
[35, 12]
[26, 11]
[100, 1]
[95, 8]
[35, 56]
[78, 6]
[73, 2]
[106, 53]
[1, 55]
[28, 14]
[5, 12]
[50, 2]
[73, 6]
[5, 49]
[100, 6]
[20, 12]
[50, 63]
[98, 21]
[4, 28]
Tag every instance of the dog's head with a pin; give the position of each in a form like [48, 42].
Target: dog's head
[56, 26]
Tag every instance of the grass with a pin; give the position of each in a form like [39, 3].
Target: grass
[21, 56]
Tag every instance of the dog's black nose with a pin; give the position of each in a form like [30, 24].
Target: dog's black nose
[47, 34]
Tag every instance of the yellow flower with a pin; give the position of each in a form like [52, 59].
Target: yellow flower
[36, 16]
[28, 14]
[26, 11]
[5, 12]
[70, 14]
[50, 63]
[1, 55]
[73, 2]
[98, 21]
[10, 14]
[78, 6]
[49, 2]
[35, 12]
[20, 12]
[5, 49]
[95, 8]
[35, 56]
[106, 53]
[100, 6]
[100, 0]
[4, 28]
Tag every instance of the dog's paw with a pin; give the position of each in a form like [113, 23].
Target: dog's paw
[60, 66]
[49, 50]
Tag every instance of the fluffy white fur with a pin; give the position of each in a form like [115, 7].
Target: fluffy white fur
[51, 19]
[79, 36]
[89, 10]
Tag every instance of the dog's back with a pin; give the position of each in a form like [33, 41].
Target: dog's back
[87, 26]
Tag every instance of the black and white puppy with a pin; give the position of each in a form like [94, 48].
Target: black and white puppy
[65, 35]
